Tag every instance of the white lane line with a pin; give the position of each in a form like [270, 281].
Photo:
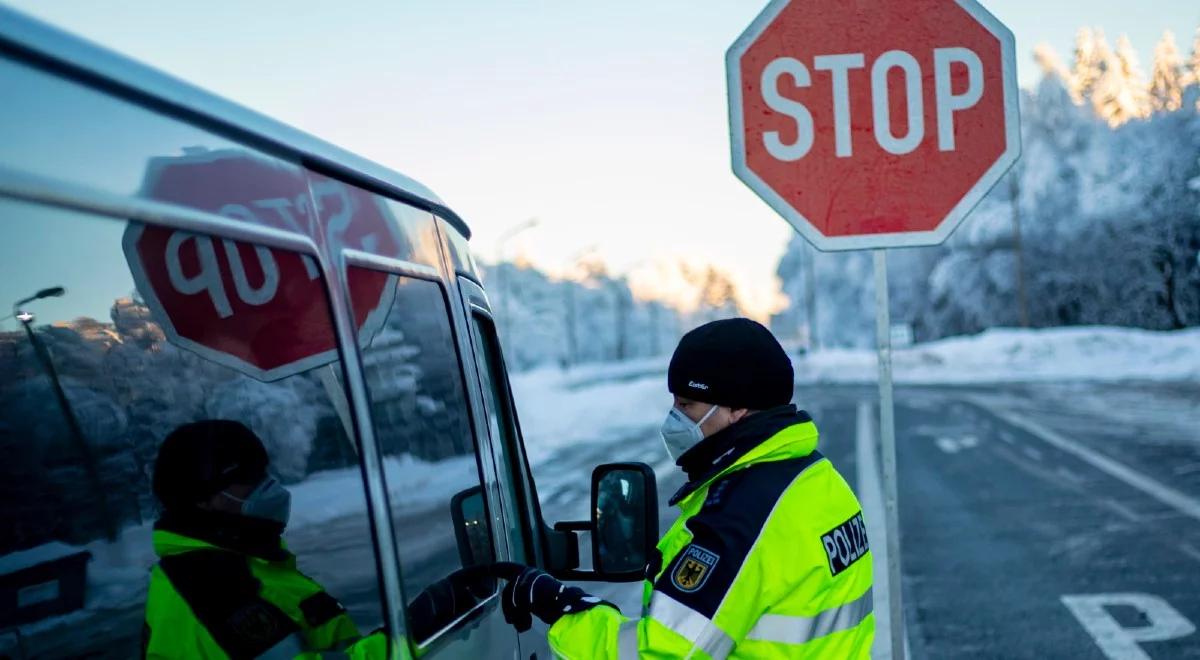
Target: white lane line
[1069, 475]
[1190, 550]
[947, 445]
[1122, 510]
[870, 495]
[1187, 468]
[1185, 504]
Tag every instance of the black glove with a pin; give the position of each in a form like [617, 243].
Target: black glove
[531, 591]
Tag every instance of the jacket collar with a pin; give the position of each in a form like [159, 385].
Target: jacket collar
[775, 434]
[184, 531]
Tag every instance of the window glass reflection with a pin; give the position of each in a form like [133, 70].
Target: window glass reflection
[501, 426]
[77, 512]
[419, 410]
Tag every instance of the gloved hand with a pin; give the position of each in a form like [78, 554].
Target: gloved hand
[532, 591]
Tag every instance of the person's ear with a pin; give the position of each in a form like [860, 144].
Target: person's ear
[737, 414]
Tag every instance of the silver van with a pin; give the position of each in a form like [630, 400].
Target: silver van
[171, 257]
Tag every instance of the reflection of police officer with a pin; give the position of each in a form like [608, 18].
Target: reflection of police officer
[617, 513]
[225, 585]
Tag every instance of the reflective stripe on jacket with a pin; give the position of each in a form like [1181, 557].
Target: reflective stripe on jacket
[208, 602]
[768, 559]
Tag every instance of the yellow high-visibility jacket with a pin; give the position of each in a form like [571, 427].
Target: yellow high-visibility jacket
[209, 602]
[769, 559]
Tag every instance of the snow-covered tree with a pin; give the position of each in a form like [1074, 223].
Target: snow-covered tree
[1166, 80]
[1120, 93]
[1110, 230]
[1047, 59]
[1191, 74]
[717, 296]
[1088, 64]
[589, 316]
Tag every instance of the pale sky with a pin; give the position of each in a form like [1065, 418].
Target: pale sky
[605, 120]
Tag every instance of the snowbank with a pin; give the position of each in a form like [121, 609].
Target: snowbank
[1006, 355]
[589, 404]
[606, 403]
[412, 484]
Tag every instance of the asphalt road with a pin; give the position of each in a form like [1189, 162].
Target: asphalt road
[1047, 521]
[1038, 521]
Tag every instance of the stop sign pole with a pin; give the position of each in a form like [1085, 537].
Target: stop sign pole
[872, 125]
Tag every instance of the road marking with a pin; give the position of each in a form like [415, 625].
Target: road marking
[870, 494]
[947, 445]
[1069, 475]
[1032, 453]
[1122, 510]
[1187, 468]
[1121, 643]
[1187, 505]
[952, 446]
[1190, 550]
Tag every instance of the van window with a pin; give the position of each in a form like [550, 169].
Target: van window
[503, 429]
[132, 332]
[423, 427]
[460, 253]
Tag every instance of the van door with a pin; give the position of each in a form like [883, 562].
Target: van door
[434, 466]
[519, 498]
[98, 371]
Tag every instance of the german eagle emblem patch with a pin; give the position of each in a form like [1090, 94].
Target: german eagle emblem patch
[693, 568]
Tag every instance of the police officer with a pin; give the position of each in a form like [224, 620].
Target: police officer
[225, 585]
[769, 555]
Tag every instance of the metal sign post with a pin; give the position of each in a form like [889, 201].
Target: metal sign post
[887, 439]
[815, 88]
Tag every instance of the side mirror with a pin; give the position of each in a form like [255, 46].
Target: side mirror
[624, 519]
[469, 514]
[623, 525]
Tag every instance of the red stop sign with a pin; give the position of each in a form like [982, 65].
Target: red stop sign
[873, 123]
[253, 308]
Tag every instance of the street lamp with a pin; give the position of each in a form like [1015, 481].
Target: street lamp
[52, 292]
[501, 279]
[569, 285]
[43, 355]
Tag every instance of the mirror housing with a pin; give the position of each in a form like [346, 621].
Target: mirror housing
[623, 525]
[469, 513]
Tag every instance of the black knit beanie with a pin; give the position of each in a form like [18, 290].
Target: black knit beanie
[732, 362]
[200, 459]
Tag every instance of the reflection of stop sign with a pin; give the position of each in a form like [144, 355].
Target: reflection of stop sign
[256, 309]
[873, 123]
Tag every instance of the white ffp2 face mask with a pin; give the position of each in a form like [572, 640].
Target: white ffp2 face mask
[680, 433]
[269, 500]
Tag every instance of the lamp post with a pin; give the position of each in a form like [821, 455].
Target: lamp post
[569, 306]
[810, 296]
[501, 278]
[43, 355]
[1014, 187]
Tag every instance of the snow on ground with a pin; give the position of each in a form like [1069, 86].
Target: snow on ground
[412, 484]
[1007, 355]
[607, 402]
[589, 404]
